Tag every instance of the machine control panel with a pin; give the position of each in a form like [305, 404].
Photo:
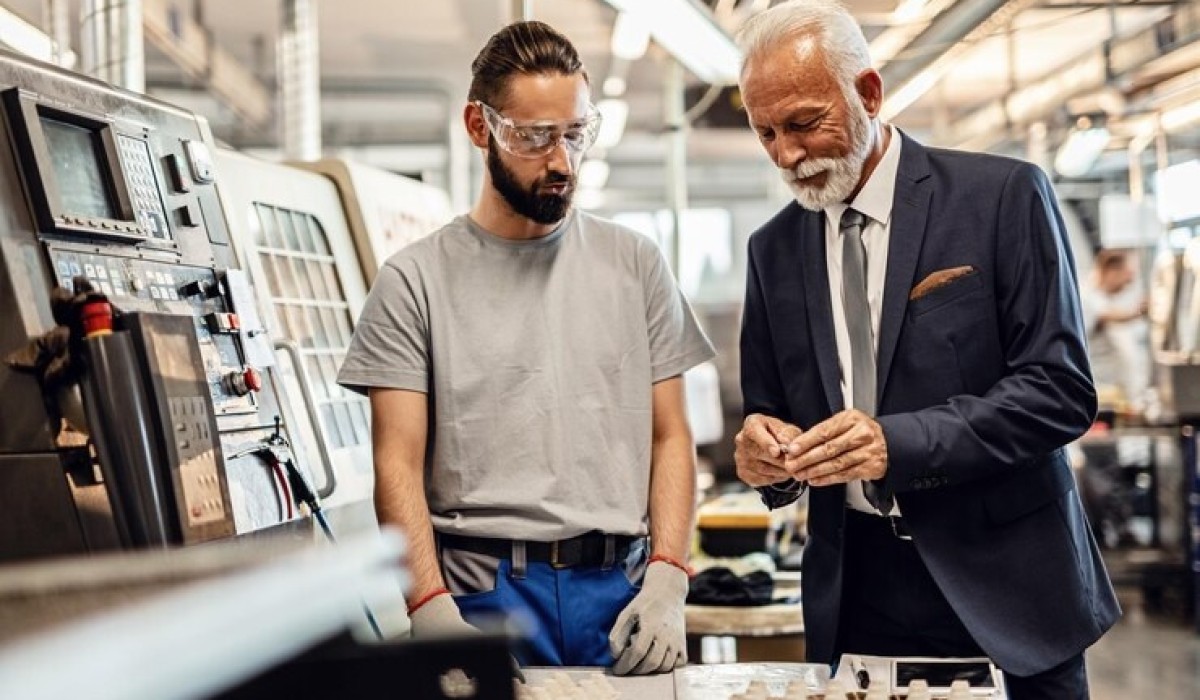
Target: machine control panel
[204, 501]
[137, 284]
[121, 189]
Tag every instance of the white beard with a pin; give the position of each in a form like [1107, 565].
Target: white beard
[843, 173]
[842, 178]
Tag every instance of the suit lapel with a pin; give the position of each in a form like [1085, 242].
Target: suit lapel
[910, 210]
[819, 306]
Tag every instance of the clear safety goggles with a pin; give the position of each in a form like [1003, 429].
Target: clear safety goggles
[538, 138]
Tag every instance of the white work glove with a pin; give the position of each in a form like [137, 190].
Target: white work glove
[440, 617]
[648, 636]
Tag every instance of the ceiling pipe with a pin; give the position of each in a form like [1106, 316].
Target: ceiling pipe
[905, 23]
[300, 81]
[1117, 60]
[946, 30]
[57, 24]
[191, 46]
[111, 42]
[936, 50]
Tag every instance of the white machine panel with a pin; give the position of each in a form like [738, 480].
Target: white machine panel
[386, 211]
[290, 228]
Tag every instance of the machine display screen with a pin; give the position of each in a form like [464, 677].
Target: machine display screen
[76, 154]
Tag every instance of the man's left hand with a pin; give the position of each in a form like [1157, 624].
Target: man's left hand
[848, 446]
[648, 636]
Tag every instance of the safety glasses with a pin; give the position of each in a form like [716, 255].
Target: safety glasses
[537, 139]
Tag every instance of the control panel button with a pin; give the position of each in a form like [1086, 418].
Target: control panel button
[221, 322]
[243, 382]
[200, 158]
[253, 379]
[197, 288]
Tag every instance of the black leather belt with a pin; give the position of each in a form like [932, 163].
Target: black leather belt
[588, 549]
[896, 524]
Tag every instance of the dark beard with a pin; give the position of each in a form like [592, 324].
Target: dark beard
[542, 208]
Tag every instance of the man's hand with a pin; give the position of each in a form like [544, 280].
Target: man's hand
[440, 617]
[760, 450]
[848, 446]
[648, 636]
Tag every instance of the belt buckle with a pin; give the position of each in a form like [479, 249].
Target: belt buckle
[896, 530]
[555, 563]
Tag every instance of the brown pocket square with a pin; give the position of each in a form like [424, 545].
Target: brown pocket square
[939, 279]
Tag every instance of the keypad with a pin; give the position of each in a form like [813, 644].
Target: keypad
[143, 186]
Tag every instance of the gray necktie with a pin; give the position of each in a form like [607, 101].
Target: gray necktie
[859, 326]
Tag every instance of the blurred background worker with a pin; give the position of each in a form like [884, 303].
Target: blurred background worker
[1114, 307]
[525, 369]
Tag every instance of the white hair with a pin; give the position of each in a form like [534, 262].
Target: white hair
[843, 46]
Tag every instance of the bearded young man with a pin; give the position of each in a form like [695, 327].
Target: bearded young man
[525, 365]
[913, 353]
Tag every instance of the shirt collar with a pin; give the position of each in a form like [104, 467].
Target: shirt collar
[875, 198]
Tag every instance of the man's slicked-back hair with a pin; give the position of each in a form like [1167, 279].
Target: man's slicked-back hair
[527, 48]
[835, 30]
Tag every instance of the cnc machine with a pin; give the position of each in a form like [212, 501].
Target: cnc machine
[160, 441]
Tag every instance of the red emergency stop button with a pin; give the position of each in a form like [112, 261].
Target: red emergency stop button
[243, 382]
[96, 317]
[252, 379]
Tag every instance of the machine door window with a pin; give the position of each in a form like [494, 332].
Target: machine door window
[310, 304]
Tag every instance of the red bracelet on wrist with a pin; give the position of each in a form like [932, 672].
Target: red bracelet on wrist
[425, 599]
[673, 562]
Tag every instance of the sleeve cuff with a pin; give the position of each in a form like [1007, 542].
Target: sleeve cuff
[363, 382]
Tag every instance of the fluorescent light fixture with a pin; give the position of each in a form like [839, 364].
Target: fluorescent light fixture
[614, 86]
[687, 30]
[910, 92]
[593, 174]
[614, 113]
[909, 19]
[630, 37]
[1181, 117]
[1079, 152]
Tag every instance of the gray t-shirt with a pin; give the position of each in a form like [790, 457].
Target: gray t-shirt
[539, 359]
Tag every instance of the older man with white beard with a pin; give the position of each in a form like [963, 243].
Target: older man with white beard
[912, 354]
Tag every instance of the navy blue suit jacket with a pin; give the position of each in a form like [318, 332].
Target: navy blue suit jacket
[981, 384]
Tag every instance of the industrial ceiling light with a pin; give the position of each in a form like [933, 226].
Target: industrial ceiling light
[1083, 146]
[908, 20]
[630, 37]
[687, 30]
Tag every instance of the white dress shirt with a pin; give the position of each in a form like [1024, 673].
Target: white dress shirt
[874, 200]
